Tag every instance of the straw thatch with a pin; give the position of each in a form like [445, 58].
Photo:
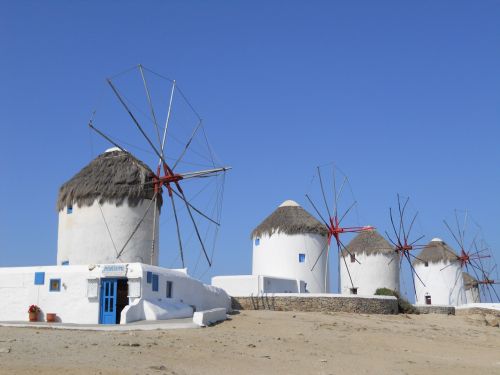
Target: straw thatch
[469, 281]
[369, 242]
[290, 220]
[113, 177]
[436, 251]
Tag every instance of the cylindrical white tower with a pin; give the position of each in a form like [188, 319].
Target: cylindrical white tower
[288, 244]
[107, 213]
[471, 287]
[442, 282]
[372, 264]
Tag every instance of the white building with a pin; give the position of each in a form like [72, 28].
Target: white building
[105, 243]
[471, 287]
[439, 269]
[372, 263]
[289, 256]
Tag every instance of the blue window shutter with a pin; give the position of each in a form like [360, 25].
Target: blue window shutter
[39, 278]
[148, 277]
[302, 258]
[155, 282]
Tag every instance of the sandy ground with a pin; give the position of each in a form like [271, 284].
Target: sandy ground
[265, 342]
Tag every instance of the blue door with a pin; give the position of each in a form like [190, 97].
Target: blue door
[108, 301]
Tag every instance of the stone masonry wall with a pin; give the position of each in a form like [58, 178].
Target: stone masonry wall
[318, 304]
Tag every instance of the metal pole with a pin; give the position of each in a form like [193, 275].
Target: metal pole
[168, 118]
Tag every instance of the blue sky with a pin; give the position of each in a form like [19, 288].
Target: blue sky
[403, 96]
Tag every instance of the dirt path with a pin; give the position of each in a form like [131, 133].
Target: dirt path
[264, 342]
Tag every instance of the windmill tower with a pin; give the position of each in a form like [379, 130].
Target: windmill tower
[99, 211]
[332, 216]
[378, 265]
[441, 275]
[109, 211]
[287, 243]
[471, 286]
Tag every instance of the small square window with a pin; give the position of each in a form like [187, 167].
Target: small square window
[65, 263]
[55, 285]
[154, 281]
[148, 277]
[257, 241]
[353, 258]
[302, 258]
[39, 278]
[426, 264]
[69, 210]
[354, 290]
[169, 289]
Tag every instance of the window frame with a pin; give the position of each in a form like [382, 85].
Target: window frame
[58, 289]
[169, 288]
[302, 257]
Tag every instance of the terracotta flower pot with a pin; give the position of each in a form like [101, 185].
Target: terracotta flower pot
[51, 317]
[33, 316]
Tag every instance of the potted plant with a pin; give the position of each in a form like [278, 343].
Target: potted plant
[33, 312]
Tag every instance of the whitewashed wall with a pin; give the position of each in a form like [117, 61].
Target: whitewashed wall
[278, 256]
[253, 285]
[71, 304]
[472, 295]
[444, 285]
[185, 290]
[18, 292]
[373, 272]
[84, 239]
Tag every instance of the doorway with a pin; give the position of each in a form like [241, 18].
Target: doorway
[114, 297]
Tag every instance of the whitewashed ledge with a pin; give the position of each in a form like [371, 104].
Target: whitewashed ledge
[317, 302]
[144, 325]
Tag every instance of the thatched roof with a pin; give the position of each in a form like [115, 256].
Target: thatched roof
[469, 281]
[290, 218]
[114, 176]
[369, 242]
[436, 251]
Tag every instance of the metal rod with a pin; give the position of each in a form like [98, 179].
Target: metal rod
[135, 121]
[178, 230]
[183, 197]
[168, 118]
[105, 137]
[187, 145]
[194, 224]
[323, 192]
[151, 108]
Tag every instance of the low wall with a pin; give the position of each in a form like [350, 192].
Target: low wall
[318, 303]
[477, 310]
[435, 309]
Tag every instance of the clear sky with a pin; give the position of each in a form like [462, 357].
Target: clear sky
[403, 96]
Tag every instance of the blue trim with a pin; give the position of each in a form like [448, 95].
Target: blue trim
[148, 277]
[39, 278]
[55, 285]
[155, 282]
[302, 258]
[107, 313]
